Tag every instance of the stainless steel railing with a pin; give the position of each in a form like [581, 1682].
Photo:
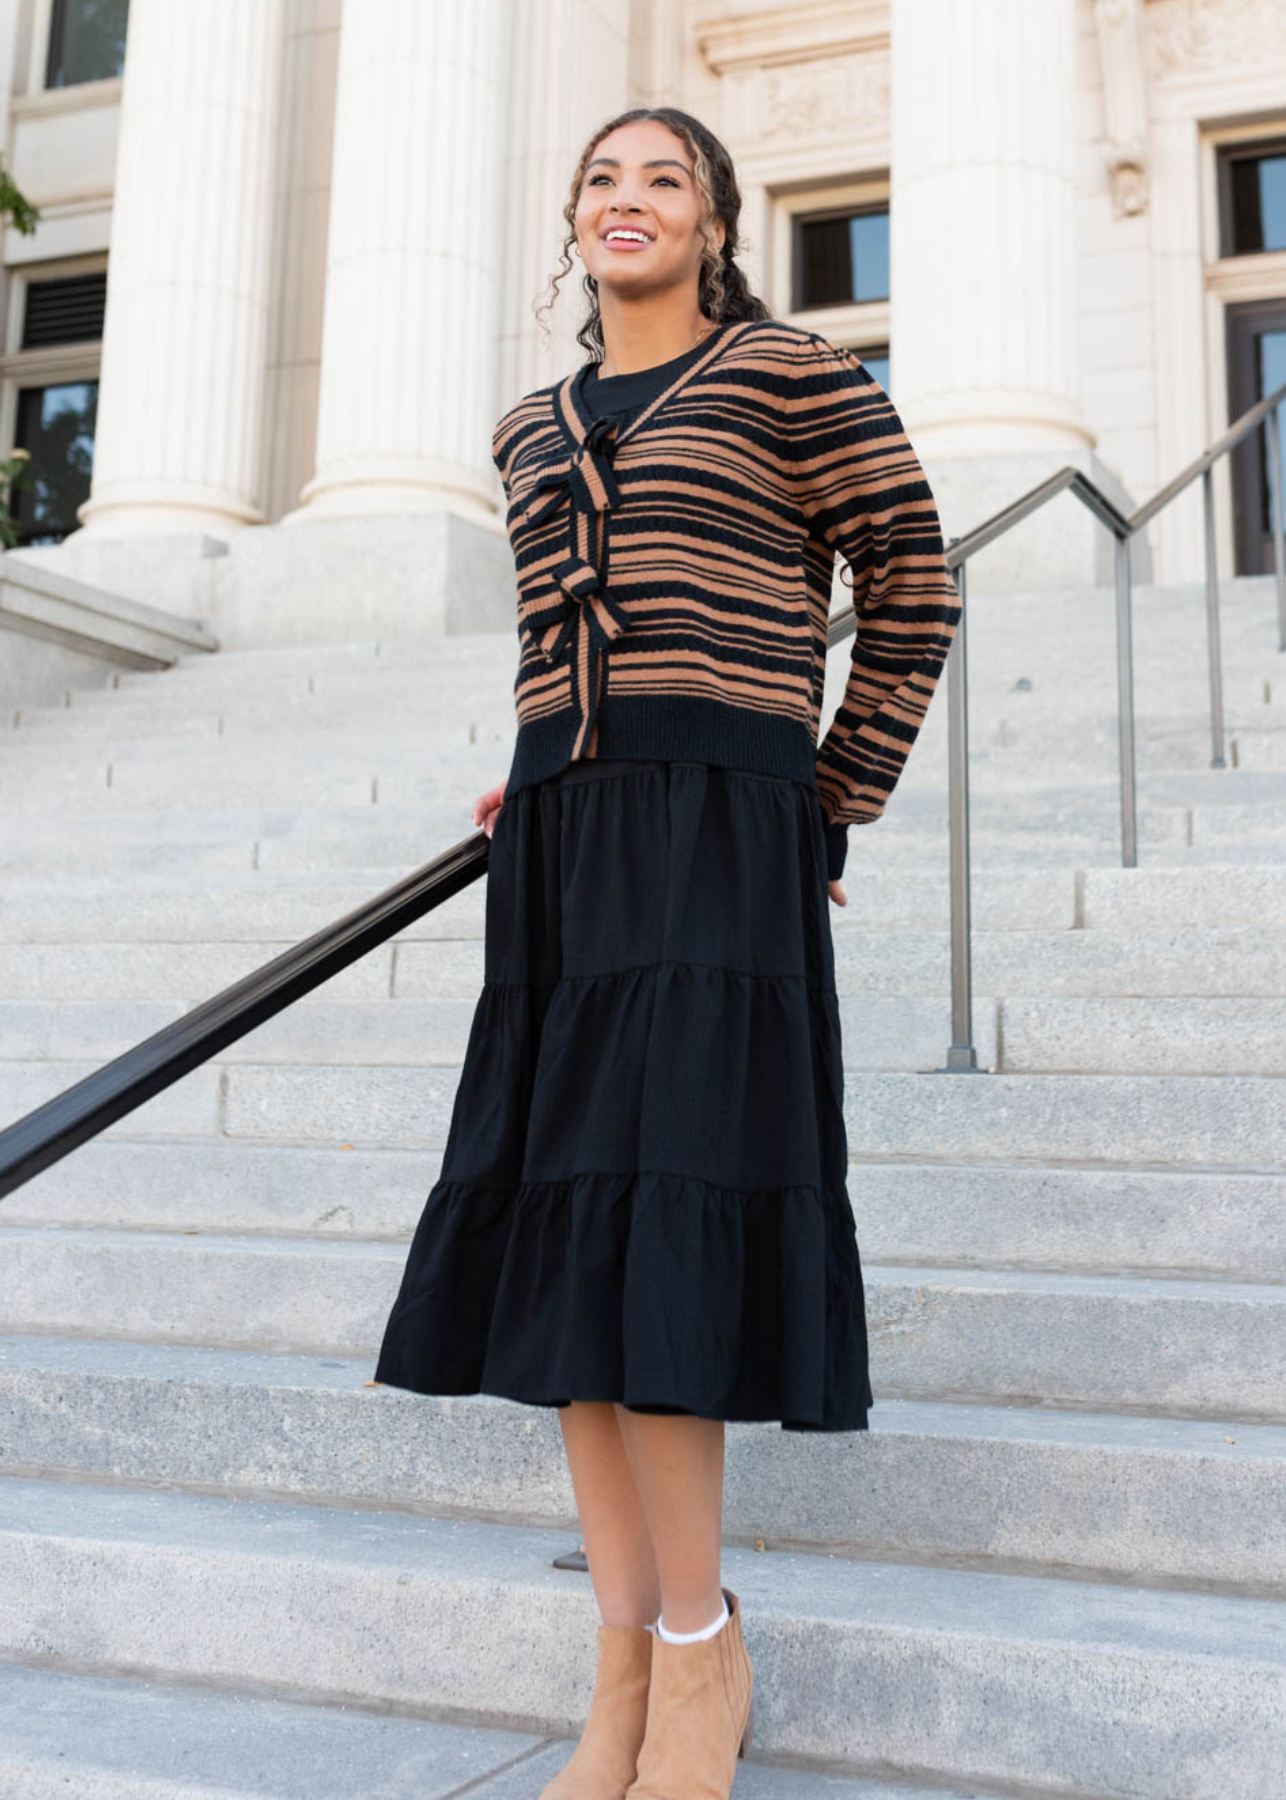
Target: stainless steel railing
[961, 1054]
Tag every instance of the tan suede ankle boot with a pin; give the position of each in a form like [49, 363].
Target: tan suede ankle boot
[602, 1765]
[698, 1716]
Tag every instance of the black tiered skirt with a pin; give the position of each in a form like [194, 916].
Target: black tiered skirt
[642, 1196]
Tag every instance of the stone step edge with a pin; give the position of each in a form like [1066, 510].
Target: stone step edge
[113, 1737]
[186, 1241]
[479, 1455]
[23, 1353]
[460, 1594]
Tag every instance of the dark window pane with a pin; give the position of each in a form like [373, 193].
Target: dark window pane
[842, 258]
[1258, 204]
[55, 425]
[1272, 201]
[86, 41]
[1272, 373]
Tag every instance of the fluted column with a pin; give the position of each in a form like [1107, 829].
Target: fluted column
[414, 248]
[571, 68]
[982, 222]
[184, 342]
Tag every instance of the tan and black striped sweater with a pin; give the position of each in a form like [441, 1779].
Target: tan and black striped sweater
[674, 576]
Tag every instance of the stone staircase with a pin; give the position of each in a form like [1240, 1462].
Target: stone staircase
[1056, 1565]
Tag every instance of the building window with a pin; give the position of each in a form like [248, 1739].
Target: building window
[840, 258]
[86, 41]
[1252, 198]
[54, 374]
[56, 424]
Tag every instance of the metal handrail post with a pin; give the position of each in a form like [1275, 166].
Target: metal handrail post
[1125, 703]
[962, 1057]
[1272, 425]
[1212, 625]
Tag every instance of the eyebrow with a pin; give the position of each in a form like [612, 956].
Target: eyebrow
[657, 162]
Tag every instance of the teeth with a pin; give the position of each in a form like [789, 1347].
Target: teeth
[640, 236]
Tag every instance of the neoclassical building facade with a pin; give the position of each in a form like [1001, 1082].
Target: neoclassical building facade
[290, 253]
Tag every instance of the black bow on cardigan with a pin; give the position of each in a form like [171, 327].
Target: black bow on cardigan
[583, 613]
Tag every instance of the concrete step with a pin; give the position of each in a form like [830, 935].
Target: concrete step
[204, 844]
[1081, 613]
[383, 1609]
[1017, 1489]
[1174, 1036]
[1201, 1349]
[1257, 747]
[121, 1737]
[139, 844]
[1204, 964]
[288, 904]
[981, 1215]
[451, 728]
[1167, 963]
[436, 732]
[482, 689]
[1151, 899]
[1132, 1121]
[881, 1032]
[1019, 664]
[265, 906]
[1128, 1121]
[405, 727]
[292, 775]
[1003, 726]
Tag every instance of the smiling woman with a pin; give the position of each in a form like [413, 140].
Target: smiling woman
[642, 196]
[642, 1217]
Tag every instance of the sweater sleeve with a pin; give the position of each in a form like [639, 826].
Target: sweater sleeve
[866, 496]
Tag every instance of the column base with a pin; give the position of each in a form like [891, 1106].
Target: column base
[338, 580]
[389, 575]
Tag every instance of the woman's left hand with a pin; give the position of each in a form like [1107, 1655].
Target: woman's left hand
[836, 891]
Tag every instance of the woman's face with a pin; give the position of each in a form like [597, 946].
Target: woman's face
[640, 177]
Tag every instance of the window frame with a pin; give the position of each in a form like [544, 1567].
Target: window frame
[862, 325]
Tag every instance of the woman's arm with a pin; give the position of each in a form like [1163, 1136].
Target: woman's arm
[867, 497]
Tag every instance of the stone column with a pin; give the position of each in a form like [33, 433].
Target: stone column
[982, 221]
[571, 68]
[418, 221]
[184, 343]
[983, 276]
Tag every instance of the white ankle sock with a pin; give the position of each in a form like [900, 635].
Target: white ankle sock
[692, 1637]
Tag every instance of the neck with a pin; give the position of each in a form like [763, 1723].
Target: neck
[642, 341]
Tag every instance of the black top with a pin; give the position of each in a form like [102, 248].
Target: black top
[624, 396]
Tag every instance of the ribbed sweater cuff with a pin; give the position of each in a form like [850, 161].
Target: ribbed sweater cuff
[836, 850]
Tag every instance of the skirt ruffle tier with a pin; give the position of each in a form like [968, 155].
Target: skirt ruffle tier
[643, 1192]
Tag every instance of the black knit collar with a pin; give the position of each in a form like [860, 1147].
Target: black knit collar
[577, 421]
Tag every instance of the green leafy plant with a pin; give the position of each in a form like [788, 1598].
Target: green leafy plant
[12, 470]
[15, 208]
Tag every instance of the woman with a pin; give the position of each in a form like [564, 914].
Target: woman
[642, 1217]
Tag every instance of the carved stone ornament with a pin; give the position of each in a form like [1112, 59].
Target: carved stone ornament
[1194, 36]
[823, 99]
[1119, 29]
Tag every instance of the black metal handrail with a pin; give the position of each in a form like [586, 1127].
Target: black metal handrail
[59, 1126]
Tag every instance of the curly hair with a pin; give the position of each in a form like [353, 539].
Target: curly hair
[724, 294]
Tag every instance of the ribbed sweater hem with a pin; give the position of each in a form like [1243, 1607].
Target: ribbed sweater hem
[669, 728]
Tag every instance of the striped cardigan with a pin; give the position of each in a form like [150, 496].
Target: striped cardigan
[674, 577]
